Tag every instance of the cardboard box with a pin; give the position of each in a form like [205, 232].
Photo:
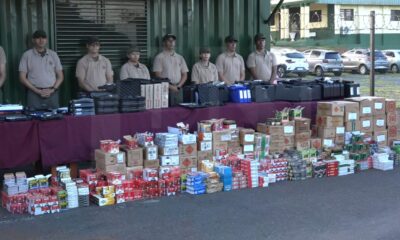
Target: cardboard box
[339, 139]
[276, 148]
[380, 138]
[246, 136]
[392, 132]
[151, 163]
[352, 126]
[188, 149]
[204, 145]
[188, 161]
[121, 168]
[151, 153]
[220, 147]
[366, 105]
[326, 132]
[367, 124]
[328, 142]
[390, 106]
[164, 94]
[329, 121]
[302, 125]
[270, 130]
[351, 110]
[390, 141]
[303, 145]
[379, 105]
[130, 170]
[289, 141]
[157, 95]
[134, 157]
[235, 150]
[204, 155]
[391, 119]
[205, 136]
[330, 109]
[248, 148]
[168, 151]
[108, 158]
[379, 123]
[204, 127]
[222, 136]
[303, 136]
[169, 160]
[233, 144]
[289, 128]
[316, 143]
[340, 130]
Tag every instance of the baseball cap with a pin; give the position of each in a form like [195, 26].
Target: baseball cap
[258, 36]
[133, 49]
[168, 36]
[230, 38]
[205, 50]
[39, 34]
[92, 39]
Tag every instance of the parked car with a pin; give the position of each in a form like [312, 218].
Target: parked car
[360, 60]
[290, 61]
[324, 61]
[393, 56]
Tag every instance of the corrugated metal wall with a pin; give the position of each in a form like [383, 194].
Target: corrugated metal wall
[196, 23]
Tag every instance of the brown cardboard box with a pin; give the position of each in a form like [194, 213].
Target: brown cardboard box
[351, 110]
[132, 169]
[134, 157]
[392, 132]
[303, 136]
[289, 141]
[390, 106]
[379, 105]
[339, 139]
[150, 153]
[168, 151]
[246, 136]
[391, 140]
[222, 136]
[379, 123]
[235, 150]
[220, 147]
[366, 105]
[289, 128]
[188, 161]
[151, 163]
[188, 149]
[205, 155]
[303, 145]
[391, 119]
[204, 145]
[302, 125]
[326, 132]
[121, 168]
[381, 138]
[330, 109]
[367, 124]
[106, 159]
[270, 130]
[277, 148]
[329, 121]
[314, 130]
[233, 144]
[316, 143]
[352, 126]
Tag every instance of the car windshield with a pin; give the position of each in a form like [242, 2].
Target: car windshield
[332, 55]
[377, 54]
[294, 55]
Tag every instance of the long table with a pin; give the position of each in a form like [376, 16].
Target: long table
[73, 139]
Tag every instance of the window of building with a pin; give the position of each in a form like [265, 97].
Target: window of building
[119, 24]
[347, 14]
[315, 16]
[395, 15]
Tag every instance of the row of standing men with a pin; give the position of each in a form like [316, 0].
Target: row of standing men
[41, 72]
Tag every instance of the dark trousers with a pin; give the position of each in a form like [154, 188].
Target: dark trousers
[175, 98]
[35, 101]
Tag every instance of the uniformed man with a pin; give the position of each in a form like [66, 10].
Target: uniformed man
[204, 71]
[93, 70]
[262, 63]
[171, 65]
[133, 68]
[230, 64]
[40, 71]
[3, 62]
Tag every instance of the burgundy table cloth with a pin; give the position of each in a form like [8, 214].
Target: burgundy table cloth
[73, 139]
[19, 144]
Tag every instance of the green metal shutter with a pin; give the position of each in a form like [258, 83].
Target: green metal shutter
[119, 24]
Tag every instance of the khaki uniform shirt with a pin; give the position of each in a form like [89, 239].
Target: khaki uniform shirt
[263, 62]
[129, 70]
[171, 66]
[204, 74]
[3, 59]
[94, 73]
[230, 66]
[41, 71]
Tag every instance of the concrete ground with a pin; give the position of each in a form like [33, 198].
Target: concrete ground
[362, 206]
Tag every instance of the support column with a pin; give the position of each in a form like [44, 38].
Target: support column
[284, 23]
[305, 21]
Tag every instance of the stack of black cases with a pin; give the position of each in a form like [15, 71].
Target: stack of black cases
[82, 107]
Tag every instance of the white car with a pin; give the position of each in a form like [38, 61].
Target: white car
[290, 61]
[393, 56]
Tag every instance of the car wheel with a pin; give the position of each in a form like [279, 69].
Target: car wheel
[319, 72]
[394, 68]
[363, 69]
[337, 74]
[302, 74]
[281, 71]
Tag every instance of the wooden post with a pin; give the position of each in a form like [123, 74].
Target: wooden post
[372, 48]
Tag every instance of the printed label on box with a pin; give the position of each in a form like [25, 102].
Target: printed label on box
[366, 110]
[381, 138]
[288, 129]
[351, 91]
[328, 142]
[205, 146]
[378, 105]
[352, 116]
[226, 137]
[249, 137]
[366, 123]
[358, 90]
[120, 158]
[248, 148]
[241, 94]
[380, 123]
[340, 130]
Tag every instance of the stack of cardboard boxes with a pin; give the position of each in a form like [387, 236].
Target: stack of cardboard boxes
[110, 162]
[156, 94]
[330, 123]
[276, 134]
[391, 121]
